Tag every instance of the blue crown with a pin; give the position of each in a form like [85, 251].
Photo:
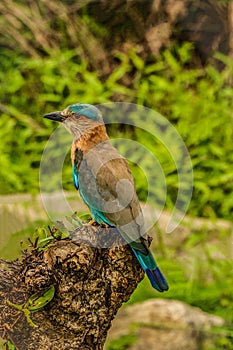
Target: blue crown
[87, 110]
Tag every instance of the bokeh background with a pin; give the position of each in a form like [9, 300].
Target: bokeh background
[175, 57]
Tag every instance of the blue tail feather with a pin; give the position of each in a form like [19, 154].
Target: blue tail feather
[153, 272]
[144, 257]
[157, 279]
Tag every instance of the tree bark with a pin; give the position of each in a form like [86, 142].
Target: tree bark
[91, 283]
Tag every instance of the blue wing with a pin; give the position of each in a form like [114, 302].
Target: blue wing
[75, 177]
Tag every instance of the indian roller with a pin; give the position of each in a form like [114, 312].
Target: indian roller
[106, 184]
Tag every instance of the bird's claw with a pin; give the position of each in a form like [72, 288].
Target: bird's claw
[92, 222]
[104, 225]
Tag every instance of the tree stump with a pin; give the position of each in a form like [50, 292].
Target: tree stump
[91, 282]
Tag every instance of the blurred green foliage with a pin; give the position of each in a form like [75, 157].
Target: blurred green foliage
[122, 343]
[198, 102]
[200, 274]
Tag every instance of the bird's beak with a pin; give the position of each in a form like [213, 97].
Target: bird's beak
[55, 116]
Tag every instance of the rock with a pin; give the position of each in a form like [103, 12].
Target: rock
[164, 325]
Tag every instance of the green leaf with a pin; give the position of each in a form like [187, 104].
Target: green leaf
[38, 301]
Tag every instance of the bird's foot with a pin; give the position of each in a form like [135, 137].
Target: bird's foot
[104, 225]
[92, 222]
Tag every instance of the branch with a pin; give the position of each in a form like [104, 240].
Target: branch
[91, 283]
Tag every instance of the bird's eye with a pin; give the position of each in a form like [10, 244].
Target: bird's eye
[72, 114]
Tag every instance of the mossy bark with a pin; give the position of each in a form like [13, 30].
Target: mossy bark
[91, 283]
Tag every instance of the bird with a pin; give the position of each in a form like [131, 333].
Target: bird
[105, 183]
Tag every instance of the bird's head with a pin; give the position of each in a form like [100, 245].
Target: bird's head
[77, 118]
